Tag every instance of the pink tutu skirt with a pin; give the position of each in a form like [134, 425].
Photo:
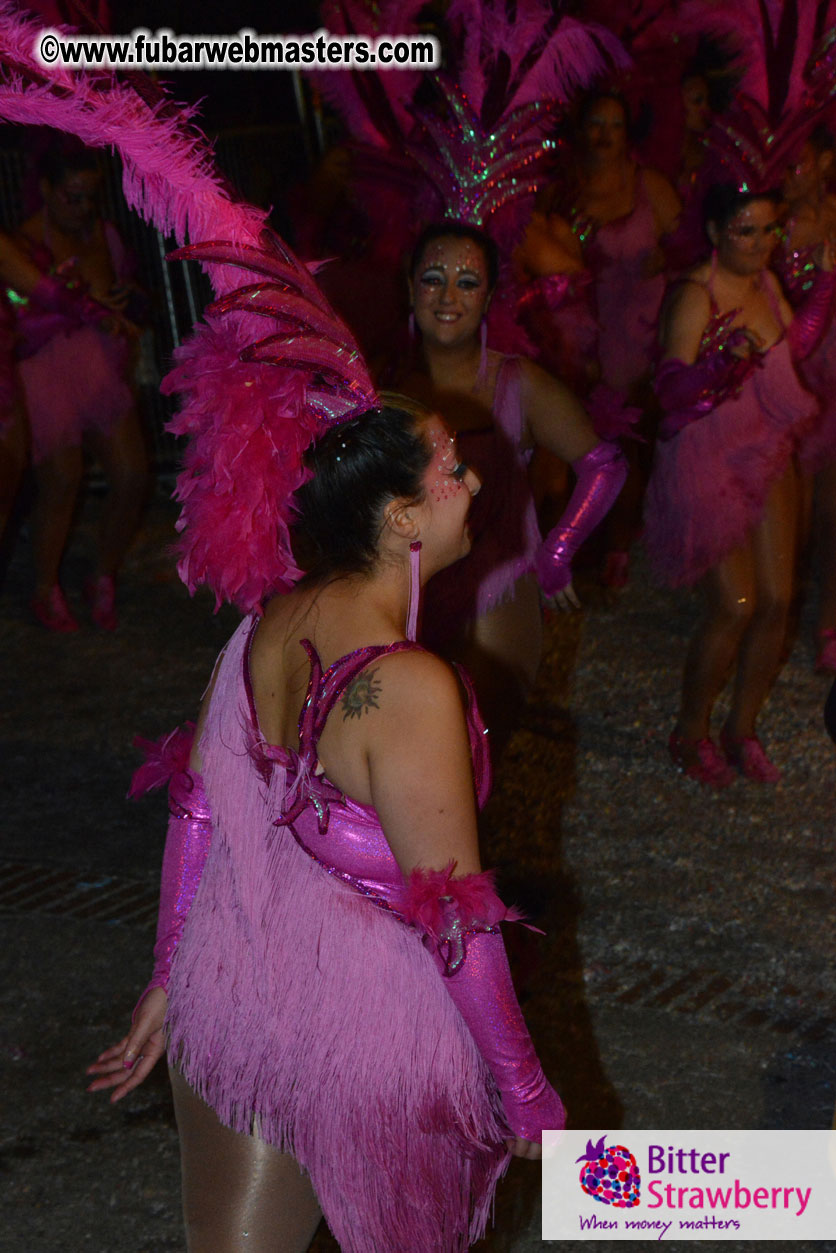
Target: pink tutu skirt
[74, 383]
[710, 482]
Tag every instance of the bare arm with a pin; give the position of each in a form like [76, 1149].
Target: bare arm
[685, 315]
[16, 269]
[555, 418]
[666, 203]
[420, 772]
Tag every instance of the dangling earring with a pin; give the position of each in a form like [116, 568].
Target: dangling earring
[414, 590]
[482, 372]
[411, 326]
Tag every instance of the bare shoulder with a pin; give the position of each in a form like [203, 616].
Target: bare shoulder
[656, 181]
[411, 680]
[688, 298]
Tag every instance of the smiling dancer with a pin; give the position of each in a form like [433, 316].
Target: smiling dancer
[486, 612]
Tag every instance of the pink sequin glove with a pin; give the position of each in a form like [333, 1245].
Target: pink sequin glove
[689, 392]
[187, 841]
[812, 317]
[186, 849]
[459, 919]
[600, 477]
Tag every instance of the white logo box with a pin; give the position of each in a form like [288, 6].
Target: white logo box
[693, 1185]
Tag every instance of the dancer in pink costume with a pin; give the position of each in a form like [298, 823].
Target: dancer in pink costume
[335, 990]
[811, 224]
[75, 384]
[486, 612]
[722, 503]
[406, 1119]
[618, 213]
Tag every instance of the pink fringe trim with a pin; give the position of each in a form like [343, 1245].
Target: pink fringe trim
[164, 758]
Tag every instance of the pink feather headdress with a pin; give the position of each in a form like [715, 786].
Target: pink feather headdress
[271, 366]
[787, 49]
[483, 142]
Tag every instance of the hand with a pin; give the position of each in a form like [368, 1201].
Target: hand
[751, 343]
[116, 298]
[125, 1065]
[565, 600]
[525, 1148]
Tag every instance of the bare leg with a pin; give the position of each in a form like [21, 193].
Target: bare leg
[240, 1195]
[774, 554]
[825, 491]
[58, 479]
[14, 451]
[501, 651]
[126, 466]
[730, 599]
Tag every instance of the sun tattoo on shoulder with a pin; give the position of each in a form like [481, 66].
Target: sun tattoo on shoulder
[361, 695]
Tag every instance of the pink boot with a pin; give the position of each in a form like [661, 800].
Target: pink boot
[53, 612]
[100, 594]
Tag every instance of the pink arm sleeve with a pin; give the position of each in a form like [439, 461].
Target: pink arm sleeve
[459, 919]
[186, 849]
[600, 476]
[812, 316]
[688, 392]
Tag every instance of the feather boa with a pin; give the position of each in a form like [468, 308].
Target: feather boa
[164, 758]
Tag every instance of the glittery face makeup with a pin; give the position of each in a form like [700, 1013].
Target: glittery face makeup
[446, 474]
[450, 290]
[750, 236]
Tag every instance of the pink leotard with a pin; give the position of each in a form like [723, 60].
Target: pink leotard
[817, 446]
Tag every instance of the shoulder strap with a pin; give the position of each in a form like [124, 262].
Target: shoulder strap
[326, 687]
[507, 399]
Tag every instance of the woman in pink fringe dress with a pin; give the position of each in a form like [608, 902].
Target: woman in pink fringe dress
[722, 503]
[339, 999]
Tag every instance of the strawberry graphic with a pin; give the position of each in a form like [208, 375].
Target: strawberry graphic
[610, 1174]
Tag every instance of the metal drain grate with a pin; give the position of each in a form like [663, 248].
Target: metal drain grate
[702, 992]
[53, 890]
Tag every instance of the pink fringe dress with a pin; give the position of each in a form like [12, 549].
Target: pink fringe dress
[627, 301]
[817, 446]
[301, 1005]
[73, 377]
[503, 521]
[710, 482]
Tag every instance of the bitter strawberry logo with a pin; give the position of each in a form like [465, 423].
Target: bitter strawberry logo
[610, 1174]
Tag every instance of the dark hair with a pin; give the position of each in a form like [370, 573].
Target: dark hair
[723, 201]
[821, 139]
[66, 155]
[458, 230]
[592, 98]
[358, 466]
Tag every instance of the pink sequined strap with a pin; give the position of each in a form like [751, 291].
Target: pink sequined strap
[448, 910]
